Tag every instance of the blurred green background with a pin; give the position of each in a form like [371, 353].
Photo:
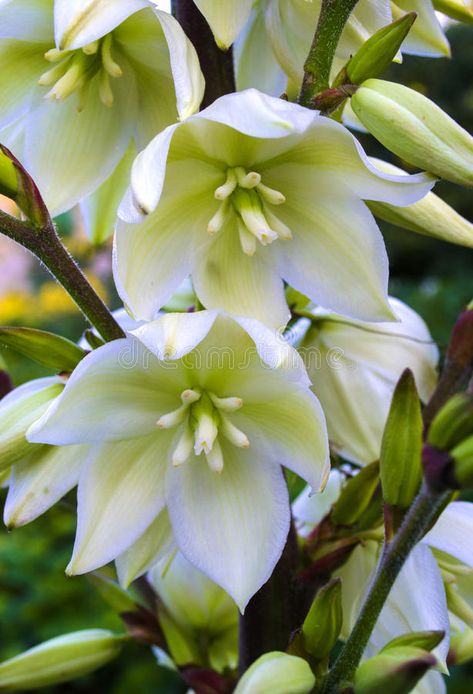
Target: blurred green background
[37, 601]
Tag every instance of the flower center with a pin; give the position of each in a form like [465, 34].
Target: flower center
[244, 195]
[73, 71]
[204, 416]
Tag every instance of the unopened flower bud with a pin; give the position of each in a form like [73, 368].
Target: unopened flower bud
[417, 130]
[8, 177]
[456, 9]
[396, 671]
[453, 423]
[60, 659]
[324, 621]
[278, 673]
[462, 457]
[461, 647]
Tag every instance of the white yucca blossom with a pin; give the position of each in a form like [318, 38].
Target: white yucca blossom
[187, 426]
[84, 84]
[251, 191]
[354, 367]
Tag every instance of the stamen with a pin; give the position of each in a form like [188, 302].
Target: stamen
[54, 54]
[190, 395]
[218, 220]
[224, 191]
[248, 206]
[113, 69]
[233, 434]
[206, 429]
[172, 419]
[247, 240]
[274, 197]
[226, 404]
[105, 90]
[247, 180]
[54, 74]
[279, 227]
[91, 48]
[184, 447]
[215, 458]
[71, 80]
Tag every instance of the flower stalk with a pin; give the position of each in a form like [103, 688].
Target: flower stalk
[333, 16]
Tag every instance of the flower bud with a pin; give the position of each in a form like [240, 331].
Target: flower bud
[324, 621]
[277, 673]
[462, 456]
[8, 178]
[453, 423]
[400, 461]
[396, 671]
[416, 129]
[377, 53]
[356, 496]
[60, 659]
[431, 216]
[456, 9]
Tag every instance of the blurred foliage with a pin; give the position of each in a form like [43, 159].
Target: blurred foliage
[37, 601]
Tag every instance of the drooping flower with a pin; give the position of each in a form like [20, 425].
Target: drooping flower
[84, 83]
[442, 563]
[195, 425]
[249, 191]
[199, 619]
[354, 367]
[273, 46]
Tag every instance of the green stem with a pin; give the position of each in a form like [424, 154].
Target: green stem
[417, 522]
[333, 16]
[46, 245]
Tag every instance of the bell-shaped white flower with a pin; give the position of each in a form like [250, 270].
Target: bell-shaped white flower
[199, 619]
[190, 420]
[225, 17]
[82, 82]
[354, 367]
[248, 192]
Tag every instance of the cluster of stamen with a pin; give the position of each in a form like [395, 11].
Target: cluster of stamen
[203, 416]
[243, 194]
[73, 71]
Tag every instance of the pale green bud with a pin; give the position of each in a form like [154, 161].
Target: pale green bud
[324, 621]
[60, 659]
[8, 177]
[278, 673]
[356, 496]
[396, 671]
[431, 216]
[456, 9]
[462, 456]
[453, 423]
[416, 129]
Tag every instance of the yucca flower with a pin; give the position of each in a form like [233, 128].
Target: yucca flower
[251, 191]
[83, 86]
[185, 417]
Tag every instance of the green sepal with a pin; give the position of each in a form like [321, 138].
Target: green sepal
[324, 621]
[378, 52]
[400, 460]
[22, 189]
[356, 496]
[44, 347]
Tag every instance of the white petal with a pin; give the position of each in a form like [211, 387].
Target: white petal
[79, 22]
[188, 78]
[99, 210]
[121, 491]
[226, 18]
[70, 152]
[309, 508]
[356, 574]
[426, 36]
[117, 391]
[155, 543]
[39, 480]
[431, 683]
[452, 532]
[233, 525]
[21, 65]
[27, 20]
[289, 431]
[173, 335]
[226, 278]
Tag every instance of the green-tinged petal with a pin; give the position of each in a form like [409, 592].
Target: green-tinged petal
[426, 36]
[151, 259]
[431, 683]
[18, 410]
[79, 22]
[118, 391]
[233, 525]
[356, 574]
[255, 65]
[189, 81]
[21, 65]
[278, 673]
[70, 152]
[27, 20]
[155, 543]
[173, 335]
[289, 431]
[121, 491]
[99, 210]
[40, 479]
[309, 509]
[226, 278]
[337, 256]
[226, 18]
[453, 531]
